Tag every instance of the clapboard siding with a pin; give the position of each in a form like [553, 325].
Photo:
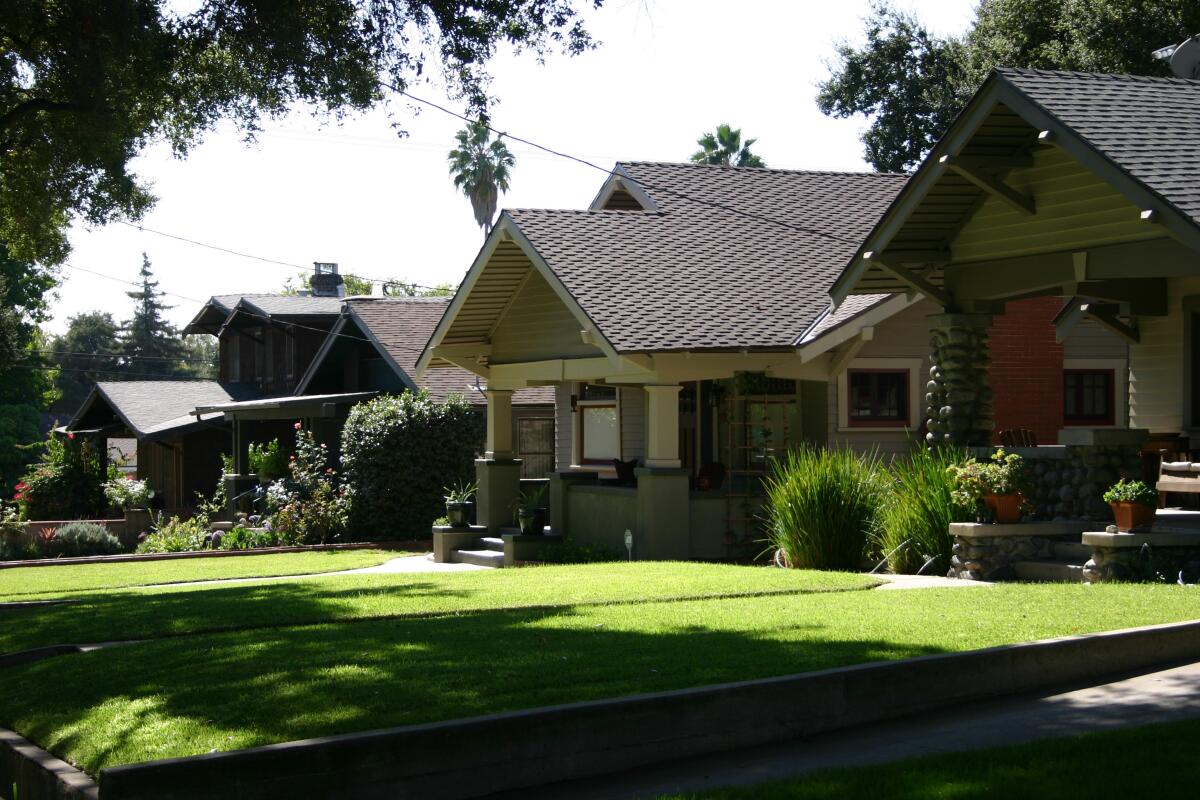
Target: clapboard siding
[633, 423]
[538, 326]
[1157, 365]
[1089, 340]
[1074, 209]
[564, 425]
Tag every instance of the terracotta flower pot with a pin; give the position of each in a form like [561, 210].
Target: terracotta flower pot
[1005, 507]
[1132, 516]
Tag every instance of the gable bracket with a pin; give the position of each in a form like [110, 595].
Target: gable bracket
[972, 170]
[891, 265]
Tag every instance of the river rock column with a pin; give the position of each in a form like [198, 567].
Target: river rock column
[958, 399]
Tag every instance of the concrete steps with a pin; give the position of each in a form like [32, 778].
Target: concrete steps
[1073, 552]
[480, 558]
[490, 543]
[1049, 571]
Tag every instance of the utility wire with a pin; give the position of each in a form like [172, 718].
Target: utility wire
[644, 185]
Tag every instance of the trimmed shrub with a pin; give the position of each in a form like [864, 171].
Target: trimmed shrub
[398, 451]
[83, 539]
[915, 531]
[68, 481]
[823, 507]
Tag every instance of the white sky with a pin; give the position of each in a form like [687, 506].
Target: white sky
[666, 71]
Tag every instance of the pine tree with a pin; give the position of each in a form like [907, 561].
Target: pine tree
[150, 345]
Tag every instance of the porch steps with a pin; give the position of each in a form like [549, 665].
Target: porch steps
[1049, 571]
[480, 558]
[491, 543]
[1074, 552]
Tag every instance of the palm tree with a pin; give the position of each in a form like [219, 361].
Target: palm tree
[480, 168]
[725, 148]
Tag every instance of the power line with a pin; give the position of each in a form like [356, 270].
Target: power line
[119, 356]
[611, 173]
[120, 373]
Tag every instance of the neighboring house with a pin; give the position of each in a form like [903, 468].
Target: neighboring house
[373, 347]
[684, 321]
[266, 343]
[177, 451]
[1060, 184]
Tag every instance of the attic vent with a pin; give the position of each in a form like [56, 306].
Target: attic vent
[621, 200]
[326, 282]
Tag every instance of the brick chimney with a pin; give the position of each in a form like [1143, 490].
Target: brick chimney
[326, 282]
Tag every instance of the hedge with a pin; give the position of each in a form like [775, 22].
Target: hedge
[398, 452]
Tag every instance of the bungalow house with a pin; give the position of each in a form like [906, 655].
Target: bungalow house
[1056, 184]
[266, 342]
[683, 323]
[373, 348]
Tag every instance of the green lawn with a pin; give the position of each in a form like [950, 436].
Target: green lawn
[1154, 761]
[192, 693]
[38, 583]
[105, 616]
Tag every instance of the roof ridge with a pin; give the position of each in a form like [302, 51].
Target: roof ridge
[765, 170]
[1114, 76]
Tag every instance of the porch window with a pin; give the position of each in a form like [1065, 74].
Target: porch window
[599, 426]
[878, 397]
[1088, 396]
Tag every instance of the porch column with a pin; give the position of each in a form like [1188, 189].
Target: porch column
[663, 527]
[498, 473]
[958, 399]
[662, 427]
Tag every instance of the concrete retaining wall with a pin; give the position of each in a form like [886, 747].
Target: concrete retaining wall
[470, 757]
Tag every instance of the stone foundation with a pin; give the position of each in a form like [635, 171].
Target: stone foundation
[988, 552]
[1069, 481]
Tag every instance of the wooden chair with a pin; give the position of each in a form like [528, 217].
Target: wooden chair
[1177, 473]
[1018, 437]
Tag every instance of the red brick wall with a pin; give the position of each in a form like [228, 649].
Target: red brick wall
[1026, 370]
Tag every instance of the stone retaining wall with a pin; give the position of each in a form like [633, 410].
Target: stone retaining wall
[989, 552]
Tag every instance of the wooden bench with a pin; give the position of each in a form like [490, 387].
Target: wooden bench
[1177, 476]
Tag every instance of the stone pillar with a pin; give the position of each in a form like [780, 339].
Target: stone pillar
[958, 399]
[560, 485]
[497, 473]
[662, 427]
[499, 423]
[663, 522]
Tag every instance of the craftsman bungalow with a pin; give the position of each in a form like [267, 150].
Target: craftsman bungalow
[684, 324]
[1056, 183]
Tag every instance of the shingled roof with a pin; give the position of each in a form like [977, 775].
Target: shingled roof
[1149, 127]
[151, 409]
[219, 307]
[402, 326]
[732, 257]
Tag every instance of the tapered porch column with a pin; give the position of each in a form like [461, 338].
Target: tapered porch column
[663, 530]
[958, 397]
[662, 427]
[498, 473]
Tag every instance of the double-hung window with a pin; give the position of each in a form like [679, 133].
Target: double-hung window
[877, 397]
[1088, 396]
[599, 425]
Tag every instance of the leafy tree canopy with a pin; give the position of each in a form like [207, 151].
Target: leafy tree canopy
[86, 85]
[724, 147]
[88, 352]
[912, 83]
[355, 285]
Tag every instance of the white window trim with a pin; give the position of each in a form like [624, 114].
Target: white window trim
[1120, 368]
[577, 461]
[915, 393]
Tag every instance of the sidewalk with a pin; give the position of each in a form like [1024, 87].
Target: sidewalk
[1164, 696]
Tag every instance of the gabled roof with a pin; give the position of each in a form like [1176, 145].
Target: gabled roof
[220, 307]
[399, 327]
[1147, 126]
[155, 409]
[1136, 134]
[733, 257]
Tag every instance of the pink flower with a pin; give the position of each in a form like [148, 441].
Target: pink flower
[296, 426]
[70, 434]
[129, 478]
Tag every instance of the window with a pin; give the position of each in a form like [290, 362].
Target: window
[1088, 396]
[877, 397]
[599, 427]
[535, 446]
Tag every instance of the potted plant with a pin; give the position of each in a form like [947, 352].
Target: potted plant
[1133, 504]
[995, 483]
[530, 513]
[458, 503]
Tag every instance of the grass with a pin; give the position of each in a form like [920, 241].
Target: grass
[172, 611]
[36, 583]
[1158, 760]
[190, 694]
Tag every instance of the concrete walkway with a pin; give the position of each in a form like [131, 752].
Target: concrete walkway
[925, 582]
[1171, 694]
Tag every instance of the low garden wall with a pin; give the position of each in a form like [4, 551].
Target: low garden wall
[1155, 557]
[600, 515]
[1069, 481]
[989, 552]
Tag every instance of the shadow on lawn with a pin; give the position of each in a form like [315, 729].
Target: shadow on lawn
[135, 615]
[247, 688]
